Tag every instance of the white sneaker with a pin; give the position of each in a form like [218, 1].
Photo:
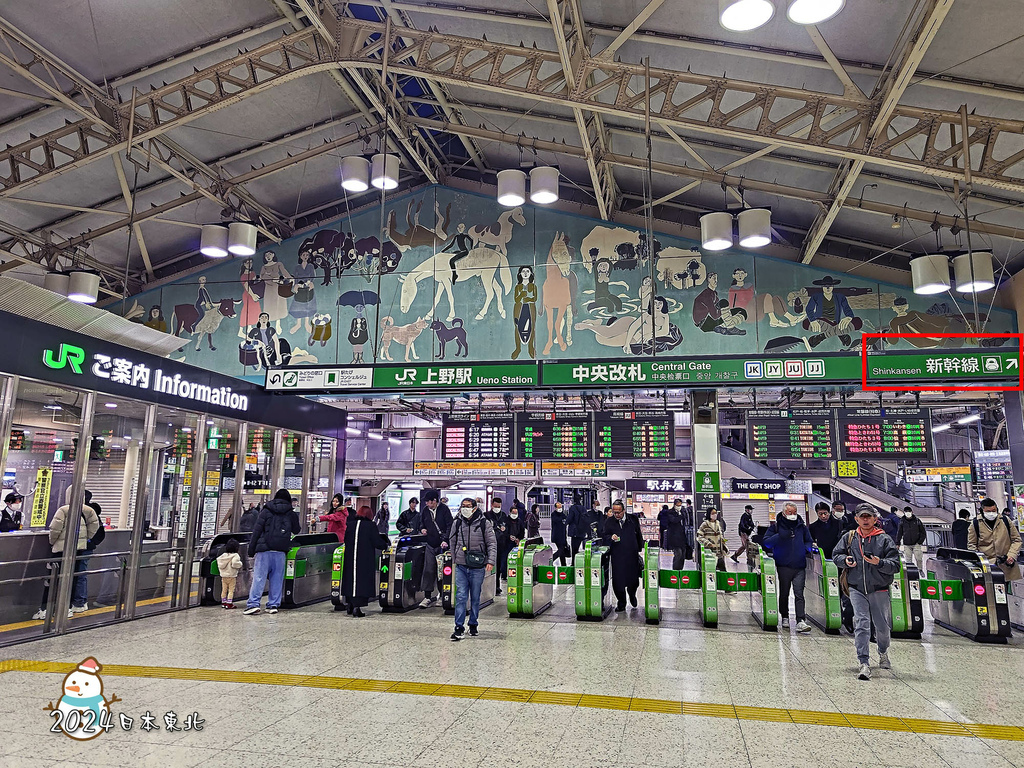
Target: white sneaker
[271, 610]
[39, 615]
[883, 661]
[865, 672]
[803, 626]
[71, 614]
[785, 622]
[427, 602]
[80, 608]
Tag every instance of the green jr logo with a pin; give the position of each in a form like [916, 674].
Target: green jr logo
[68, 355]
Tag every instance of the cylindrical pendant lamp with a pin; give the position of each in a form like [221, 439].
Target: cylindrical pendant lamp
[242, 238]
[214, 241]
[511, 187]
[930, 274]
[384, 171]
[355, 173]
[83, 286]
[755, 225]
[544, 185]
[716, 231]
[983, 277]
[56, 282]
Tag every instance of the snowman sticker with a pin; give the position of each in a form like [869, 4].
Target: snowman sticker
[82, 711]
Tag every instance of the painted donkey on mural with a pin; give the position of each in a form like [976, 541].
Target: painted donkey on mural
[479, 262]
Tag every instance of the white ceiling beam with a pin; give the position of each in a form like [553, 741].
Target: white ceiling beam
[850, 88]
[628, 31]
[129, 200]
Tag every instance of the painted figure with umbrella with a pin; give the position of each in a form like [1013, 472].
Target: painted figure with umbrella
[359, 331]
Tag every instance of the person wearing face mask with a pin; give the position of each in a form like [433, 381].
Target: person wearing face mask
[10, 518]
[910, 537]
[711, 538]
[558, 538]
[593, 520]
[826, 530]
[997, 538]
[839, 512]
[890, 522]
[533, 520]
[499, 521]
[621, 532]
[475, 553]
[434, 522]
[408, 517]
[675, 534]
[746, 527]
[789, 542]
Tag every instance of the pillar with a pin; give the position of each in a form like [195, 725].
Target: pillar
[707, 468]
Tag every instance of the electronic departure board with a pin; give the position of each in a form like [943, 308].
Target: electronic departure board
[17, 442]
[799, 433]
[889, 433]
[480, 438]
[562, 435]
[634, 435]
[992, 465]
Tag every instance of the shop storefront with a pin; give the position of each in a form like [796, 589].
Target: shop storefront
[169, 454]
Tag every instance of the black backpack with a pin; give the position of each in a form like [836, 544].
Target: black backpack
[98, 537]
[278, 532]
[977, 530]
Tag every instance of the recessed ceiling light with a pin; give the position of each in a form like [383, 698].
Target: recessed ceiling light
[110, 405]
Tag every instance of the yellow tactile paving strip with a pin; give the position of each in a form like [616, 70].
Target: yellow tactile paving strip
[90, 612]
[518, 695]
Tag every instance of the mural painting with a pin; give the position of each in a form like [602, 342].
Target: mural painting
[455, 276]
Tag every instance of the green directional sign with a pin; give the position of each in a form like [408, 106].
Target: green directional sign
[707, 482]
[457, 376]
[940, 366]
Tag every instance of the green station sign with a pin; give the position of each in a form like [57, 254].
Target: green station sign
[458, 376]
[979, 365]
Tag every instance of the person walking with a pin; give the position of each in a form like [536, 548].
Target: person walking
[359, 570]
[890, 522]
[710, 536]
[382, 518]
[533, 520]
[675, 534]
[558, 535]
[271, 539]
[475, 553]
[499, 521]
[434, 523]
[408, 516]
[869, 560]
[621, 532]
[228, 564]
[848, 519]
[826, 530]
[746, 527]
[789, 542]
[959, 529]
[911, 536]
[997, 538]
[575, 526]
[337, 518]
[248, 520]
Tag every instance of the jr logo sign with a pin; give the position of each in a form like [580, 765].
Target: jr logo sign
[67, 355]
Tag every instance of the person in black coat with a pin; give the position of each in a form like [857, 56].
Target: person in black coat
[592, 521]
[662, 525]
[408, 517]
[271, 539]
[575, 526]
[558, 533]
[621, 532]
[433, 521]
[499, 520]
[516, 528]
[960, 528]
[675, 534]
[533, 520]
[359, 569]
[826, 530]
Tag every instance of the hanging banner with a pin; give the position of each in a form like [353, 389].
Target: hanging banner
[41, 498]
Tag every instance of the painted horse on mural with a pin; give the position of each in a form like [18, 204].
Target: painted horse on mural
[499, 233]
[558, 292]
[479, 262]
[416, 235]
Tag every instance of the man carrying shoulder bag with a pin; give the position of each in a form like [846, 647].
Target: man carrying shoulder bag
[475, 552]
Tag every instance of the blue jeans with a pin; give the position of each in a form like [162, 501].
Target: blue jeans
[267, 565]
[468, 582]
[80, 585]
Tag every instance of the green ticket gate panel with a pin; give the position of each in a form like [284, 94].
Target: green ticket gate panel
[763, 586]
[308, 569]
[401, 574]
[982, 611]
[652, 583]
[709, 586]
[446, 585]
[531, 577]
[337, 565]
[554, 574]
[905, 598]
[821, 593]
[593, 582]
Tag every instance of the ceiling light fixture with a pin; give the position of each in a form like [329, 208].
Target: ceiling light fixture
[84, 286]
[110, 405]
[940, 428]
[716, 231]
[355, 173]
[969, 419]
[511, 187]
[544, 185]
[809, 12]
[384, 171]
[745, 15]
[214, 241]
[974, 272]
[930, 274]
[56, 282]
[755, 227]
[242, 238]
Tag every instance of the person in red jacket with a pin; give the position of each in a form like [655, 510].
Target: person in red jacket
[337, 518]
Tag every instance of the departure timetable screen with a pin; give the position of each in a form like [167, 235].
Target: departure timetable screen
[885, 433]
[992, 465]
[562, 435]
[634, 435]
[477, 438]
[798, 433]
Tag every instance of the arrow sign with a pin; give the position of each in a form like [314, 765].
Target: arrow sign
[1012, 363]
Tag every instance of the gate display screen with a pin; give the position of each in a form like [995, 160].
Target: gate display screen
[800, 433]
[480, 438]
[553, 435]
[885, 433]
[634, 435]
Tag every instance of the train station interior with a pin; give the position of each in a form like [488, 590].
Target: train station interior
[546, 382]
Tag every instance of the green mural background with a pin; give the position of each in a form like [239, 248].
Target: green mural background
[529, 283]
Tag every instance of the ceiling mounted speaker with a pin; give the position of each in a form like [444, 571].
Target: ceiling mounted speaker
[716, 231]
[813, 11]
[544, 185]
[242, 238]
[745, 15]
[930, 274]
[983, 277]
[511, 188]
[384, 171]
[214, 241]
[355, 173]
[83, 286]
[56, 282]
[755, 225]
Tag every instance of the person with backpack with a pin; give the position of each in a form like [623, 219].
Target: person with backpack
[746, 527]
[911, 536]
[475, 553]
[868, 561]
[363, 540]
[271, 539]
[90, 524]
[959, 529]
[789, 542]
[997, 538]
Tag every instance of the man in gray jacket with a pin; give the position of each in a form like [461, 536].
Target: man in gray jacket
[871, 560]
[475, 553]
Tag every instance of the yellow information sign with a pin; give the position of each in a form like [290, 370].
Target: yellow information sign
[212, 478]
[847, 469]
[473, 468]
[41, 498]
[574, 468]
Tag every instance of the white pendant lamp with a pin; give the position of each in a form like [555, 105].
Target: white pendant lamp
[755, 225]
[242, 238]
[813, 11]
[983, 277]
[511, 188]
[57, 282]
[716, 231]
[214, 241]
[83, 286]
[355, 173]
[544, 185]
[745, 15]
[930, 274]
[384, 171]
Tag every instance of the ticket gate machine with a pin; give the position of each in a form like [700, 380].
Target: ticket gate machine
[526, 596]
[981, 610]
[593, 580]
[446, 585]
[308, 569]
[401, 574]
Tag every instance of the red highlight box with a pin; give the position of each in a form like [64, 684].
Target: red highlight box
[953, 387]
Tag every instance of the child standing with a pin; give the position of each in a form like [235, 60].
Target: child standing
[229, 564]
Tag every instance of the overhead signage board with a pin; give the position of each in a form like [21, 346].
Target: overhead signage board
[885, 433]
[758, 486]
[984, 366]
[993, 465]
[796, 433]
[319, 379]
[938, 474]
[574, 468]
[474, 469]
[707, 482]
[676, 485]
[470, 436]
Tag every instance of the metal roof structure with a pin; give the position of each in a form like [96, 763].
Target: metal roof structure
[888, 131]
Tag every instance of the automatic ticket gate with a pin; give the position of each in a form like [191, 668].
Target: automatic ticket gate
[209, 573]
[592, 581]
[526, 595]
[337, 567]
[446, 582]
[971, 594]
[401, 574]
[821, 594]
[308, 569]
